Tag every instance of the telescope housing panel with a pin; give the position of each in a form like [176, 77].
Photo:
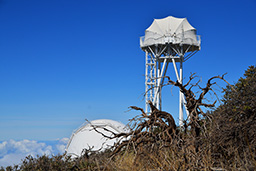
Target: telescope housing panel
[171, 31]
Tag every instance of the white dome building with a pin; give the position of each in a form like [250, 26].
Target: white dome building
[86, 137]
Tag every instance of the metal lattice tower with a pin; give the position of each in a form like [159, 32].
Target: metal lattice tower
[168, 40]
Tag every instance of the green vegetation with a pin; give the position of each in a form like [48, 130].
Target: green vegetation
[223, 139]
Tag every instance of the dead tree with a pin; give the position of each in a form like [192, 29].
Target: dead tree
[195, 103]
[158, 127]
[155, 129]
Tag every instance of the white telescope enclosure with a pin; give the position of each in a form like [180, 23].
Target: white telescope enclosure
[86, 137]
[168, 40]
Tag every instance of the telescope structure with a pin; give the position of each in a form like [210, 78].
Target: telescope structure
[168, 40]
[86, 137]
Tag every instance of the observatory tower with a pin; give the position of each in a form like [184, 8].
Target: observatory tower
[168, 40]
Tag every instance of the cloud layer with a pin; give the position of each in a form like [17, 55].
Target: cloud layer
[12, 152]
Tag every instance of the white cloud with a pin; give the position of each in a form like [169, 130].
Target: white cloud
[12, 152]
[3, 148]
[64, 140]
[61, 146]
[11, 159]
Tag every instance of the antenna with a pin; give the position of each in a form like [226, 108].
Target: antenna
[168, 40]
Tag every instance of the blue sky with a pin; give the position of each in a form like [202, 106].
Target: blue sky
[64, 61]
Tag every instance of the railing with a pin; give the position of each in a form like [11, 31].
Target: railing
[142, 38]
[198, 37]
[170, 39]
